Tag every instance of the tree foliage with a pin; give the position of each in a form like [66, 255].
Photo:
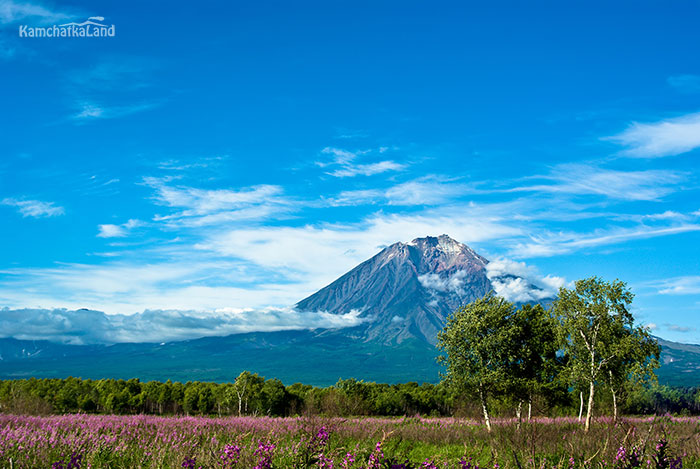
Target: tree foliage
[600, 339]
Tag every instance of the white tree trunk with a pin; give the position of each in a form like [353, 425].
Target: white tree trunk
[518, 412]
[614, 397]
[487, 419]
[589, 411]
[580, 409]
[529, 407]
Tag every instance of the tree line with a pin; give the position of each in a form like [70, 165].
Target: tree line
[585, 341]
[253, 395]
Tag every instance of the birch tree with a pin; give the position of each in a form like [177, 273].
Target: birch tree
[477, 341]
[599, 328]
[636, 357]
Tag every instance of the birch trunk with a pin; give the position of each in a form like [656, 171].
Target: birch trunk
[580, 409]
[589, 411]
[485, 409]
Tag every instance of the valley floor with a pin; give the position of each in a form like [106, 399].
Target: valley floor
[79, 440]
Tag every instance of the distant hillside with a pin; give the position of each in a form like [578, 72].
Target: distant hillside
[680, 363]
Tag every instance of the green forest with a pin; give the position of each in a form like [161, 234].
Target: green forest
[251, 394]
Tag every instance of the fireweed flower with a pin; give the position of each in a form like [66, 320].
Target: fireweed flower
[325, 462]
[376, 458]
[264, 454]
[230, 455]
[189, 463]
[348, 461]
[467, 464]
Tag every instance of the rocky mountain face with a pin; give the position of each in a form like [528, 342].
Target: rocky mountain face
[407, 290]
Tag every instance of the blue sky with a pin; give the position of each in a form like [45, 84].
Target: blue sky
[231, 158]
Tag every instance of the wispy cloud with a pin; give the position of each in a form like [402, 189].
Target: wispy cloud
[684, 285]
[208, 162]
[367, 169]
[112, 88]
[349, 168]
[426, 191]
[658, 139]
[198, 207]
[34, 208]
[584, 179]
[679, 328]
[552, 244]
[89, 111]
[302, 252]
[685, 83]
[12, 11]
[118, 231]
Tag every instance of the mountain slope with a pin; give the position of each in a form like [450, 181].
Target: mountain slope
[407, 290]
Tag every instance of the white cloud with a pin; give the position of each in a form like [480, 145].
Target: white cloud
[367, 169]
[658, 139]
[93, 327]
[667, 215]
[34, 208]
[423, 191]
[185, 280]
[684, 285]
[678, 328]
[340, 156]
[198, 207]
[304, 252]
[520, 283]
[12, 11]
[236, 265]
[117, 231]
[453, 283]
[624, 185]
[551, 244]
[348, 168]
[111, 231]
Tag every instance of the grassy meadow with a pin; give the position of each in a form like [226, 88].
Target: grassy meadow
[82, 441]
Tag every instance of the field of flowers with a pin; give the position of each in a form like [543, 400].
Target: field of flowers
[83, 441]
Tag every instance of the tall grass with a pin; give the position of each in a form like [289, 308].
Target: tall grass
[80, 440]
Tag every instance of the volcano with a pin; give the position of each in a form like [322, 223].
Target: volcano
[407, 290]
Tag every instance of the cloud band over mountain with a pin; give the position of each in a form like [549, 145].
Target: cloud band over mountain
[83, 326]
